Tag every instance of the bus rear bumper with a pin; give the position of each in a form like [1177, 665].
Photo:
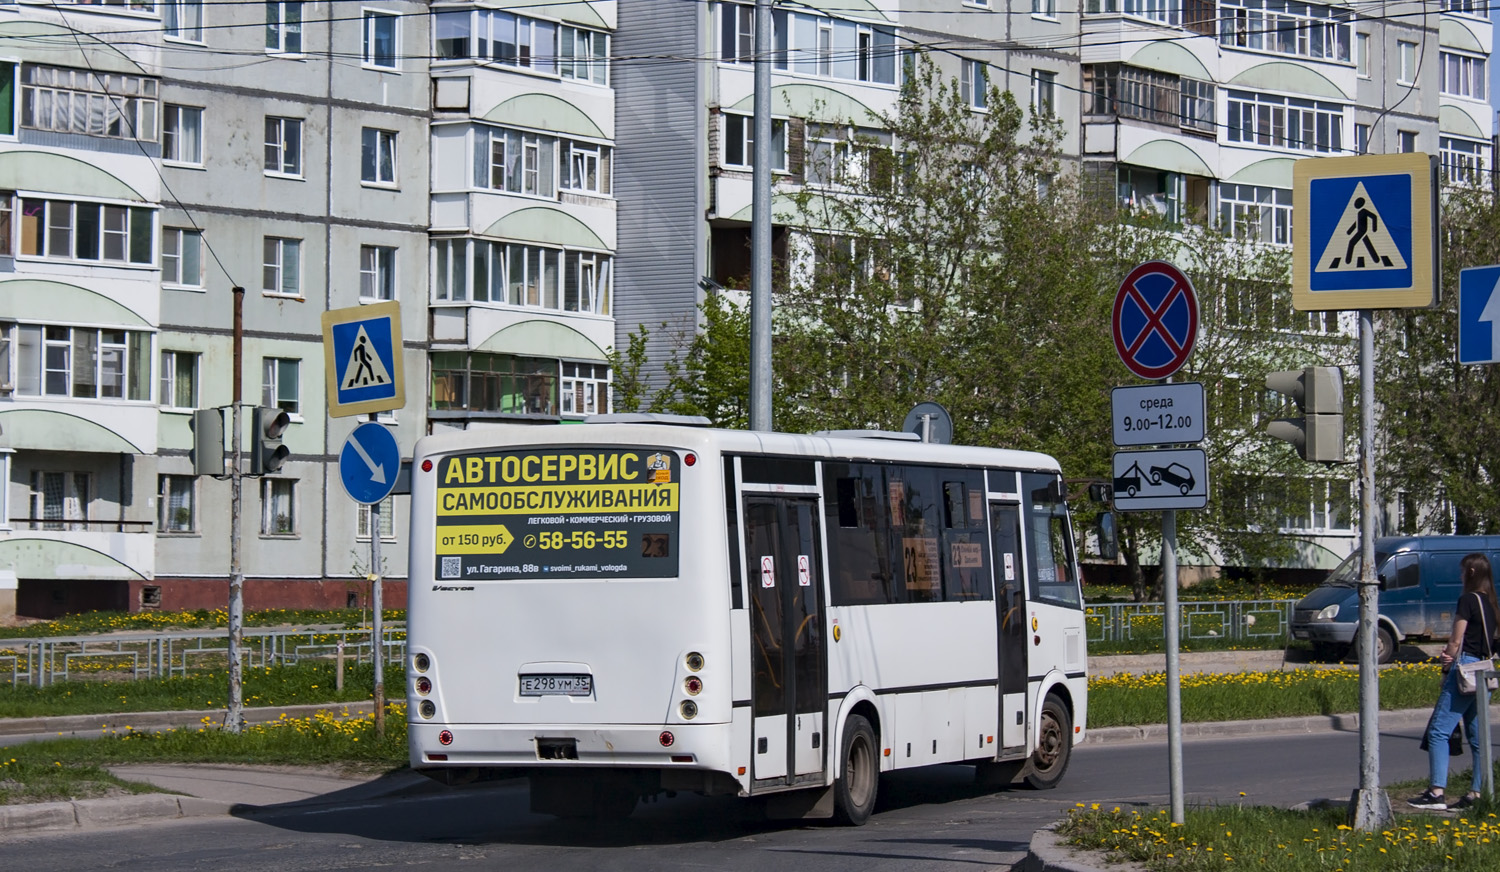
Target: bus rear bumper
[699, 746]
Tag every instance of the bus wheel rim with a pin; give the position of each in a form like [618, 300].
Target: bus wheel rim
[857, 771]
[1050, 746]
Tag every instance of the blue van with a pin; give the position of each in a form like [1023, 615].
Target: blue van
[1419, 586]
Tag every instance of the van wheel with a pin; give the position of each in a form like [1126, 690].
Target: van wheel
[859, 779]
[1054, 746]
[1386, 646]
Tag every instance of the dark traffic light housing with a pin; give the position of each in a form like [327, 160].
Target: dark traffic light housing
[268, 454]
[208, 442]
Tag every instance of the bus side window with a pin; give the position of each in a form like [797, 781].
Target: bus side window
[858, 528]
[966, 561]
[1049, 559]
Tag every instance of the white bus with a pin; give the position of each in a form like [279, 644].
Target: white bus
[635, 605]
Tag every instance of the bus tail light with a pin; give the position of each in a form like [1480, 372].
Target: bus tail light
[445, 737]
[693, 685]
[666, 738]
[424, 685]
[682, 758]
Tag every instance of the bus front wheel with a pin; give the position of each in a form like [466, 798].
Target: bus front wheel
[859, 779]
[1054, 745]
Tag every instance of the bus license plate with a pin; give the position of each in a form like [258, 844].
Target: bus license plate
[559, 685]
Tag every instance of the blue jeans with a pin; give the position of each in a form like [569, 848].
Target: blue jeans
[1451, 706]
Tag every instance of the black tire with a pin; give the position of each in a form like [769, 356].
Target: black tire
[1054, 747]
[1386, 646]
[858, 781]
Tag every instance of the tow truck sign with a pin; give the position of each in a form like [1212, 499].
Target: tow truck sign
[1150, 480]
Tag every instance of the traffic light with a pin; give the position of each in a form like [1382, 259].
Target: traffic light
[268, 454]
[1319, 394]
[208, 442]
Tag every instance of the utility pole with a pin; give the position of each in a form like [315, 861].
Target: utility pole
[234, 718]
[760, 227]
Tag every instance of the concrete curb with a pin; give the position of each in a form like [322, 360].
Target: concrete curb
[108, 812]
[1348, 722]
[92, 726]
[1049, 853]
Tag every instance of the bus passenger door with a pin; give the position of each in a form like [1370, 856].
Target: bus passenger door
[1010, 609]
[789, 684]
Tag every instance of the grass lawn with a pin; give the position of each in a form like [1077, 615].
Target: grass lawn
[1219, 838]
[1129, 700]
[74, 768]
[204, 619]
[308, 682]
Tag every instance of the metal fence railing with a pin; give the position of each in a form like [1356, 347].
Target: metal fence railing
[45, 660]
[1233, 620]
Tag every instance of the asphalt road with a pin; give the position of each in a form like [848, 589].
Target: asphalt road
[932, 819]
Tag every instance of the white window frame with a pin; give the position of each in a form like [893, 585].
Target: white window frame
[746, 141]
[1462, 75]
[1361, 139]
[179, 144]
[974, 83]
[377, 272]
[373, 19]
[73, 503]
[283, 150]
[1406, 141]
[57, 236]
[283, 31]
[278, 277]
[182, 20]
[1043, 9]
[268, 487]
[281, 385]
[1044, 93]
[1406, 62]
[167, 486]
[182, 262]
[169, 381]
[381, 146]
[44, 360]
[387, 521]
[571, 152]
[582, 380]
[1465, 162]
[1362, 55]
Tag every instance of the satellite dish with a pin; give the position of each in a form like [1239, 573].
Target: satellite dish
[931, 422]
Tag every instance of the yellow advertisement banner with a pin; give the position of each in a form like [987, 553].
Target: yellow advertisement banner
[473, 539]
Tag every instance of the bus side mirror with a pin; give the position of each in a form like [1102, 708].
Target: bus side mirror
[1109, 543]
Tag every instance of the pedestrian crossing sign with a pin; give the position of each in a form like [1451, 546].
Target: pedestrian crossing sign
[362, 358]
[1363, 232]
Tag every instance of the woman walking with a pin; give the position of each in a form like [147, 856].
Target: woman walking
[1472, 639]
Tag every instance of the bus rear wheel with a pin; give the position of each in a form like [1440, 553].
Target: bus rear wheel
[1054, 745]
[858, 780]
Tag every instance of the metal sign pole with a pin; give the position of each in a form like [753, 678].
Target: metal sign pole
[377, 627]
[1486, 754]
[1174, 685]
[1371, 807]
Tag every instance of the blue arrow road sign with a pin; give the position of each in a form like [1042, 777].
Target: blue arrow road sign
[1478, 314]
[369, 463]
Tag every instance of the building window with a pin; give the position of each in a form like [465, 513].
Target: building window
[181, 257]
[7, 101]
[811, 44]
[60, 500]
[280, 386]
[585, 389]
[380, 40]
[840, 156]
[1462, 75]
[1285, 122]
[1465, 162]
[586, 167]
[179, 380]
[377, 156]
[1160, 11]
[80, 101]
[1151, 190]
[175, 504]
[583, 55]
[1198, 106]
[1362, 55]
[281, 266]
[182, 134]
[1044, 8]
[83, 363]
[502, 383]
[1406, 141]
[1259, 212]
[377, 272]
[739, 141]
[973, 83]
[737, 33]
[1406, 55]
[1361, 139]
[284, 26]
[182, 19]
[1043, 92]
[516, 162]
[1480, 8]
[387, 521]
[1308, 30]
[522, 275]
[283, 146]
[66, 230]
[278, 503]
